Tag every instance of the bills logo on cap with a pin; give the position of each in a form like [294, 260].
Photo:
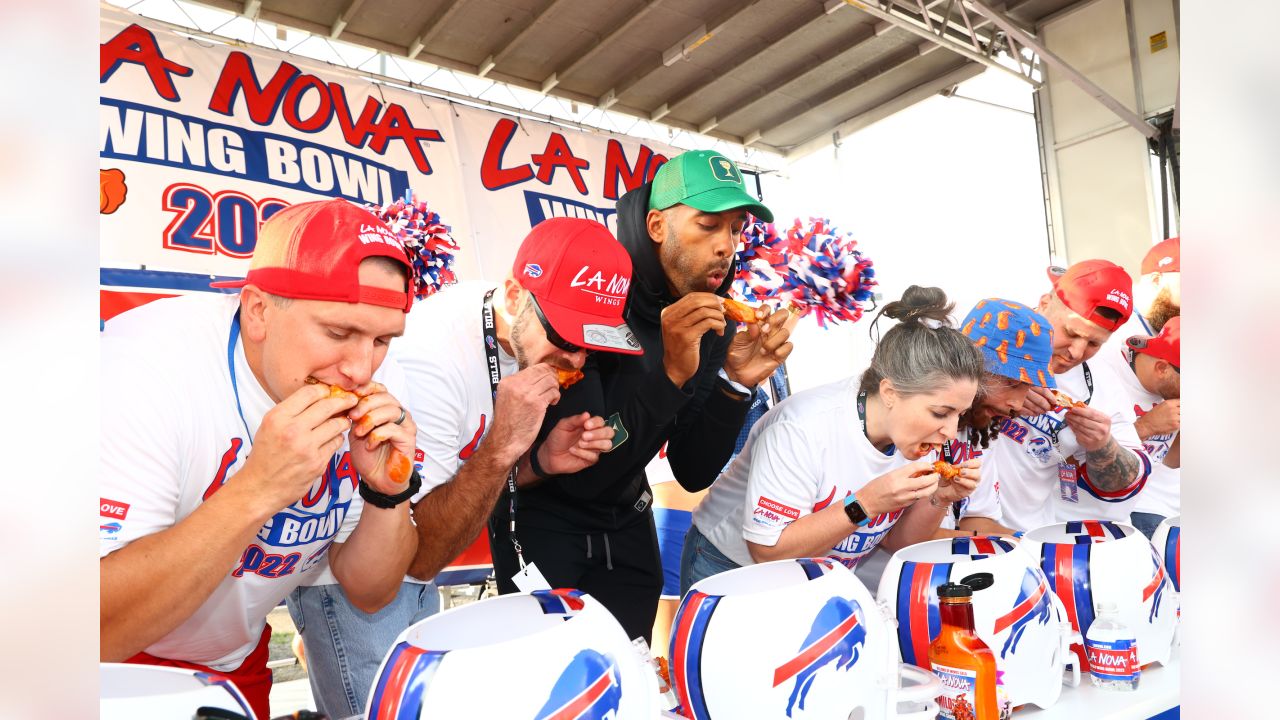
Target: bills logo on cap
[835, 638]
[1166, 260]
[533, 270]
[589, 688]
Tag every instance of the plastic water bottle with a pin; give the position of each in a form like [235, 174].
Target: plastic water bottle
[1112, 650]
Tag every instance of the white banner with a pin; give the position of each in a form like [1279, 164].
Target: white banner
[199, 143]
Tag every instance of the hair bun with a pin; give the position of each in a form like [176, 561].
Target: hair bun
[921, 304]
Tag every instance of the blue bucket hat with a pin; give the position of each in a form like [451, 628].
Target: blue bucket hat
[1016, 341]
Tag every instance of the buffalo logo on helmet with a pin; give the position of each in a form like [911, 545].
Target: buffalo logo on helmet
[836, 637]
[589, 688]
[1154, 590]
[1032, 604]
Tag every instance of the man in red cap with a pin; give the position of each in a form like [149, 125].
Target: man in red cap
[1059, 451]
[1150, 370]
[1157, 296]
[248, 439]
[482, 363]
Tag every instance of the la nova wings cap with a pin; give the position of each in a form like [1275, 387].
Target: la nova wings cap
[313, 251]
[1091, 285]
[580, 275]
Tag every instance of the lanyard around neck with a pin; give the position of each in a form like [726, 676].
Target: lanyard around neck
[862, 418]
[231, 367]
[494, 368]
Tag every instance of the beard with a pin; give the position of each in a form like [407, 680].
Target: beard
[682, 268]
[1162, 310]
[518, 333]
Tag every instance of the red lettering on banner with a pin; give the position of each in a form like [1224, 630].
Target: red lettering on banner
[558, 155]
[113, 508]
[137, 45]
[616, 168]
[377, 125]
[492, 175]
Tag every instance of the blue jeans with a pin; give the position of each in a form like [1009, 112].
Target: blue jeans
[345, 646]
[700, 559]
[1146, 522]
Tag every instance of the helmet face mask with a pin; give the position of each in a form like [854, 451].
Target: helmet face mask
[789, 638]
[1017, 615]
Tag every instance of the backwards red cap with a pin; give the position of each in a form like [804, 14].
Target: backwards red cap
[1091, 285]
[580, 275]
[313, 250]
[1164, 346]
[1163, 257]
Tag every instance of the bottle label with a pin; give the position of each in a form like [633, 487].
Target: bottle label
[958, 699]
[1115, 660]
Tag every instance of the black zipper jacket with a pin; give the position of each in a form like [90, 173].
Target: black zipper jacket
[699, 422]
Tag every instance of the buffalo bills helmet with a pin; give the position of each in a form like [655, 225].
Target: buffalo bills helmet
[559, 654]
[151, 692]
[791, 639]
[1089, 562]
[1017, 616]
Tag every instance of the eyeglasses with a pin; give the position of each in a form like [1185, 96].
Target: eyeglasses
[553, 337]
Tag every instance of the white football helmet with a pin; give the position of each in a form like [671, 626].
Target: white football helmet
[1089, 562]
[1017, 616]
[791, 638]
[560, 654]
[152, 692]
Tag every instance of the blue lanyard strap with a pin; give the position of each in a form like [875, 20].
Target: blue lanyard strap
[231, 366]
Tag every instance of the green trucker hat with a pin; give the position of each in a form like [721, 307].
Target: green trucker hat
[705, 180]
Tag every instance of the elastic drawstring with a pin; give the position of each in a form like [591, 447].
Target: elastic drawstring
[608, 558]
[588, 547]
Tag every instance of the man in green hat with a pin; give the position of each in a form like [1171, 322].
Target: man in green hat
[594, 530]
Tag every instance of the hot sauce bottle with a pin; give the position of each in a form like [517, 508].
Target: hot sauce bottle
[963, 662]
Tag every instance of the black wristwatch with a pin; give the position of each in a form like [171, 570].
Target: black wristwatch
[854, 510]
[377, 499]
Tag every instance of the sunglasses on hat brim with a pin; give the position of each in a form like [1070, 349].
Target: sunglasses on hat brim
[553, 337]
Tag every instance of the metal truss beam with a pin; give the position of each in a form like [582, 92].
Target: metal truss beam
[1032, 43]
[955, 29]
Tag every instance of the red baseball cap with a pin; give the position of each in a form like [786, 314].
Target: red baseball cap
[1163, 257]
[1164, 346]
[1090, 285]
[313, 250]
[579, 274]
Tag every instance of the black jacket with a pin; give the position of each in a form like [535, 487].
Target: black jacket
[699, 422]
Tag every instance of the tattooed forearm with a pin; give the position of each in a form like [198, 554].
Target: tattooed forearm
[1112, 467]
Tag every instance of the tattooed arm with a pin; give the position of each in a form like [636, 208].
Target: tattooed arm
[1112, 467]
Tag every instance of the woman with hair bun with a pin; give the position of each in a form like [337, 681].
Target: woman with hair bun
[838, 469]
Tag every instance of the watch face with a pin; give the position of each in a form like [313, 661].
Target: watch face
[856, 514]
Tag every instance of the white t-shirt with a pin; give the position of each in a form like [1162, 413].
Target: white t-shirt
[172, 434]
[1161, 494]
[805, 453]
[1029, 467]
[443, 358]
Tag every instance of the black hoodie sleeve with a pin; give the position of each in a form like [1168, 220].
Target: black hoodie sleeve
[700, 422]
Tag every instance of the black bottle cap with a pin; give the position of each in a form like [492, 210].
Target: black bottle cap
[954, 590]
[979, 581]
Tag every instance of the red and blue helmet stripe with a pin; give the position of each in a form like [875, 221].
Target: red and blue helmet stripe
[398, 692]
[1066, 567]
[1173, 555]
[1088, 530]
[559, 601]
[978, 548]
[686, 653]
[1125, 493]
[919, 620]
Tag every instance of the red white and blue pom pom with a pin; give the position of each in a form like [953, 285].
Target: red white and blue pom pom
[826, 274]
[762, 264]
[431, 248]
